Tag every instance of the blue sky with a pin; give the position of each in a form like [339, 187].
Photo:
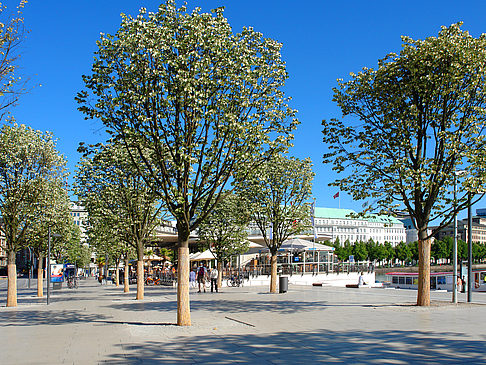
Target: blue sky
[322, 41]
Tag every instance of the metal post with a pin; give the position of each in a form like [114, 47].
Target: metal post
[469, 244]
[48, 263]
[106, 270]
[30, 265]
[454, 250]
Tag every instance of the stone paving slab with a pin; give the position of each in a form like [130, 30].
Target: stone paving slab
[102, 325]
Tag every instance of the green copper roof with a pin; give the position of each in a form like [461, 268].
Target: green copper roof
[333, 213]
[383, 219]
[344, 214]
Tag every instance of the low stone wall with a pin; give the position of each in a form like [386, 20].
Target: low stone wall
[331, 279]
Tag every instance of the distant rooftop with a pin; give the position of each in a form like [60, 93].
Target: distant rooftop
[333, 213]
[336, 213]
[481, 212]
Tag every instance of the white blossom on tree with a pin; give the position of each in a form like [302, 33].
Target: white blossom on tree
[225, 229]
[196, 102]
[278, 194]
[408, 126]
[29, 167]
[123, 211]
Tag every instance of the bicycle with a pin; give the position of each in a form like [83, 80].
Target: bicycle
[235, 280]
[152, 281]
[72, 282]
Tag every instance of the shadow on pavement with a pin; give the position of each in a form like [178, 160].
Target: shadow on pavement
[223, 306]
[44, 317]
[323, 346]
[136, 323]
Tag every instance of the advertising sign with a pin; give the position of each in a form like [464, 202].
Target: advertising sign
[57, 271]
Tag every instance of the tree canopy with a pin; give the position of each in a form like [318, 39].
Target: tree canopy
[408, 126]
[11, 35]
[225, 229]
[195, 103]
[30, 167]
[278, 195]
[122, 209]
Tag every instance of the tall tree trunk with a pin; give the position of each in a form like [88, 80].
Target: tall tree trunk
[220, 274]
[40, 277]
[126, 277]
[140, 279]
[140, 271]
[183, 304]
[273, 276]
[12, 280]
[423, 293]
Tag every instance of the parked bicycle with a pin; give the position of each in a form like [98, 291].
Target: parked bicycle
[153, 281]
[235, 280]
[72, 282]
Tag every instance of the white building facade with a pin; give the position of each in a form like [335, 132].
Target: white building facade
[80, 217]
[339, 224]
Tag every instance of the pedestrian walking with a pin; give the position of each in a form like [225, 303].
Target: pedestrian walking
[192, 279]
[213, 275]
[201, 277]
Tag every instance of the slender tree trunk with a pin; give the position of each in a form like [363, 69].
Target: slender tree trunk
[183, 304]
[273, 276]
[117, 273]
[140, 279]
[423, 293]
[126, 277]
[140, 271]
[12, 280]
[40, 277]
[220, 274]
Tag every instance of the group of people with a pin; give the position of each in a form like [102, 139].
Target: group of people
[461, 284]
[200, 275]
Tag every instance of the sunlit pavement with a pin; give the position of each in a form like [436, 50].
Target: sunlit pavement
[97, 324]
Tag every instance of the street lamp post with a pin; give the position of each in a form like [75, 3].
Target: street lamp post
[106, 269]
[48, 263]
[454, 249]
[30, 265]
[469, 247]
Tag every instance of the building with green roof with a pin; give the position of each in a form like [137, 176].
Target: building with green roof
[343, 224]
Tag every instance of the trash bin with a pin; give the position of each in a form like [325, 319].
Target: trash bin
[283, 284]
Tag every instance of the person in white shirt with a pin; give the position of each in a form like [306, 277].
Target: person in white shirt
[361, 281]
[213, 275]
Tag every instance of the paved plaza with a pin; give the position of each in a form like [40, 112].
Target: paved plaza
[100, 324]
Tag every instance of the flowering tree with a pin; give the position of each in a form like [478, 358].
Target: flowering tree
[417, 118]
[278, 195]
[225, 229]
[29, 167]
[109, 243]
[11, 35]
[195, 103]
[122, 209]
[53, 210]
